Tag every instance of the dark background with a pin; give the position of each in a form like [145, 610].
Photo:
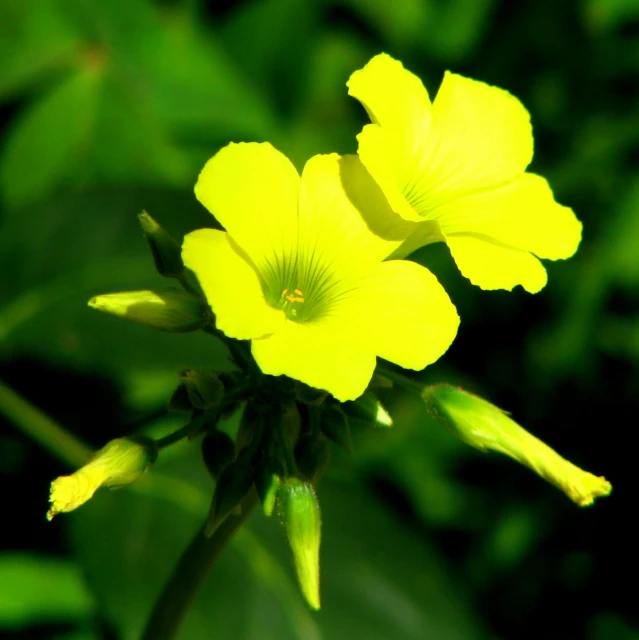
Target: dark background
[110, 107]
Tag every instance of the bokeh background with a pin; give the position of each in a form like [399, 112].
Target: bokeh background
[109, 107]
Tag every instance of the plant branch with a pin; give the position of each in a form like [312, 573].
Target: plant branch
[45, 431]
[190, 573]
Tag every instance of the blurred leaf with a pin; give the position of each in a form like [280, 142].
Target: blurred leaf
[132, 144]
[35, 37]
[607, 625]
[57, 261]
[39, 589]
[456, 28]
[390, 585]
[50, 138]
[198, 91]
[400, 22]
[260, 35]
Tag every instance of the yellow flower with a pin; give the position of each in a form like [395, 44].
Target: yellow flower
[299, 273]
[118, 463]
[454, 170]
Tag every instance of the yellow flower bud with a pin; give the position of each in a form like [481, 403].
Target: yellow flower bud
[165, 309]
[300, 513]
[119, 463]
[484, 426]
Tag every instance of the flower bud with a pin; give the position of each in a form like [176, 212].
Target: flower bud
[267, 482]
[171, 310]
[167, 253]
[367, 408]
[119, 463]
[218, 451]
[309, 395]
[234, 483]
[484, 426]
[179, 402]
[204, 388]
[336, 427]
[300, 513]
[312, 455]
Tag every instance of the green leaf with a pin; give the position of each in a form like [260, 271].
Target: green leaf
[36, 38]
[47, 143]
[38, 589]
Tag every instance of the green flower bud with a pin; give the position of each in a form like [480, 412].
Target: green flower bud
[367, 408]
[312, 455]
[249, 423]
[165, 309]
[485, 427]
[309, 395]
[204, 388]
[234, 483]
[300, 513]
[218, 451]
[167, 253]
[336, 426]
[180, 402]
[118, 463]
[267, 482]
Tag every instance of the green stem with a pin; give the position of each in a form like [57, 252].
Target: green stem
[282, 436]
[191, 572]
[402, 380]
[42, 429]
[183, 432]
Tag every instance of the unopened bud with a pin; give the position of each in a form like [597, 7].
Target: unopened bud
[484, 426]
[300, 513]
[234, 483]
[309, 395]
[180, 402]
[171, 310]
[204, 388]
[312, 455]
[367, 408]
[119, 463]
[336, 427]
[218, 451]
[167, 253]
[267, 482]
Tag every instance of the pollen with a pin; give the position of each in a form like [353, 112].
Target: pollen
[296, 296]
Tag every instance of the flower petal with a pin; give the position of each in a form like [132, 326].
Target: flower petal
[392, 96]
[522, 214]
[319, 354]
[252, 189]
[405, 315]
[331, 228]
[474, 136]
[481, 137]
[493, 266]
[231, 285]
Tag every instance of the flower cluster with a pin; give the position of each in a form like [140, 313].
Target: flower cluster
[311, 270]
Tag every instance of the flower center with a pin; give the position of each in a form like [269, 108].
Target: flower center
[290, 303]
[303, 289]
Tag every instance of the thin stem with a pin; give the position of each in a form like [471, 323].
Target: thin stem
[402, 380]
[191, 572]
[48, 433]
[282, 436]
[183, 432]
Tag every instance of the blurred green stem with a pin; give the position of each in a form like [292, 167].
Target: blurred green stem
[42, 429]
[190, 573]
[401, 380]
